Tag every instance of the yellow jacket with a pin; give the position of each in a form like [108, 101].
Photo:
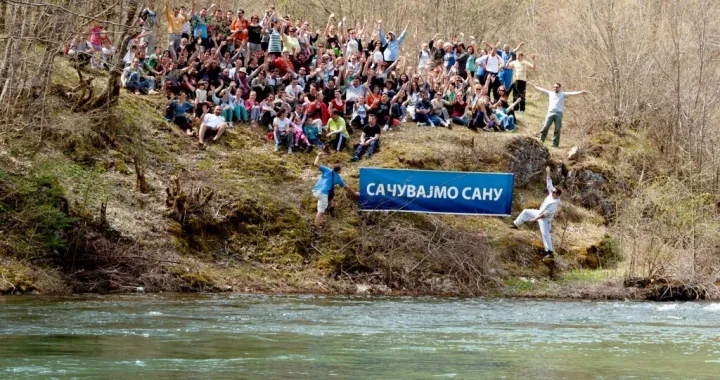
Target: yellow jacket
[175, 24]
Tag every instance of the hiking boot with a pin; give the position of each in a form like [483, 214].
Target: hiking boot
[514, 226]
[549, 255]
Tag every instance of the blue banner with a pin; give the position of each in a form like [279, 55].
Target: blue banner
[435, 191]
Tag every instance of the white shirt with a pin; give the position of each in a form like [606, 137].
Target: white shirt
[282, 124]
[493, 64]
[213, 121]
[556, 103]
[550, 205]
[424, 59]
[353, 93]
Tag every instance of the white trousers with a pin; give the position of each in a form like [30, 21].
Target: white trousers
[527, 215]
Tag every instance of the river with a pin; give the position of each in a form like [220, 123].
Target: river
[221, 336]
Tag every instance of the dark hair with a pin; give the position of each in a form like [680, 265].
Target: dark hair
[558, 191]
[558, 84]
[336, 168]
[372, 114]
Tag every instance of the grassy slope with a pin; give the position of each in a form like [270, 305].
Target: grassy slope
[270, 254]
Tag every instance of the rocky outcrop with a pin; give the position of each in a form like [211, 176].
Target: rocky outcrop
[527, 158]
[590, 187]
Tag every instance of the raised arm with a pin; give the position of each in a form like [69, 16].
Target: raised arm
[401, 38]
[381, 35]
[571, 93]
[520, 45]
[548, 180]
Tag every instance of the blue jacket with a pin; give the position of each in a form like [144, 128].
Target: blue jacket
[392, 48]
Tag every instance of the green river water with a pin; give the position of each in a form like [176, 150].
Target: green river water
[233, 336]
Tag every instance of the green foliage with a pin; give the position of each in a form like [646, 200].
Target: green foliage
[33, 213]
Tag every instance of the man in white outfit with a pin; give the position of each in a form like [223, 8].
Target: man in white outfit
[544, 215]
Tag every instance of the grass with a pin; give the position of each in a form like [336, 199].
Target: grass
[255, 233]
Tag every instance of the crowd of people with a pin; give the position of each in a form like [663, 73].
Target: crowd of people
[219, 67]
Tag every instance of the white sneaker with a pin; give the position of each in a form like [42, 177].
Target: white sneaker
[230, 124]
[386, 128]
[421, 124]
[277, 148]
[289, 150]
[445, 123]
[152, 92]
[432, 125]
[404, 119]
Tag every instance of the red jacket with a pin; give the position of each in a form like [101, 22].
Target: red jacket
[312, 112]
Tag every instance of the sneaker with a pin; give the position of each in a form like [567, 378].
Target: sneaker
[230, 124]
[404, 119]
[444, 123]
[355, 159]
[432, 125]
[549, 255]
[514, 226]
[386, 127]
[290, 150]
[510, 130]
[277, 148]
[422, 124]
[449, 126]
[152, 92]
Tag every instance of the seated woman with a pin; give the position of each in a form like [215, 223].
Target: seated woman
[505, 112]
[282, 130]
[177, 112]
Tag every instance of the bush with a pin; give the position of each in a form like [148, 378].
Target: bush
[33, 214]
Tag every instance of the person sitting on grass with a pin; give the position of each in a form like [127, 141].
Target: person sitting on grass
[282, 131]
[338, 131]
[213, 121]
[134, 79]
[177, 112]
[324, 190]
[312, 132]
[369, 140]
[424, 112]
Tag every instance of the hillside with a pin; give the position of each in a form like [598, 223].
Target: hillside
[80, 222]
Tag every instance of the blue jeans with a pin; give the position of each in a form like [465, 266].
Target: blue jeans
[286, 138]
[240, 113]
[370, 149]
[139, 83]
[427, 118]
[317, 142]
[461, 120]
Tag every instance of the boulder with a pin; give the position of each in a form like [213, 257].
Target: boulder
[574, 153]
[527, 159]
[590, 189]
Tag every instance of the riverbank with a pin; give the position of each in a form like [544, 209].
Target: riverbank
[92, 204]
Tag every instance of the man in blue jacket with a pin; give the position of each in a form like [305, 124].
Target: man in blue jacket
[324, 189]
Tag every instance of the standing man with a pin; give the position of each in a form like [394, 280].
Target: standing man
[324, 189]
[175, 22]
[544, 215]
[148, 23]
[519, 68]
[556, 106]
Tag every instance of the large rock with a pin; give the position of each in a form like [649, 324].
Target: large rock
[527, 158]
[591, 191]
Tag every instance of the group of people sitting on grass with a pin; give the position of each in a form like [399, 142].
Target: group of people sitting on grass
[311, 88]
